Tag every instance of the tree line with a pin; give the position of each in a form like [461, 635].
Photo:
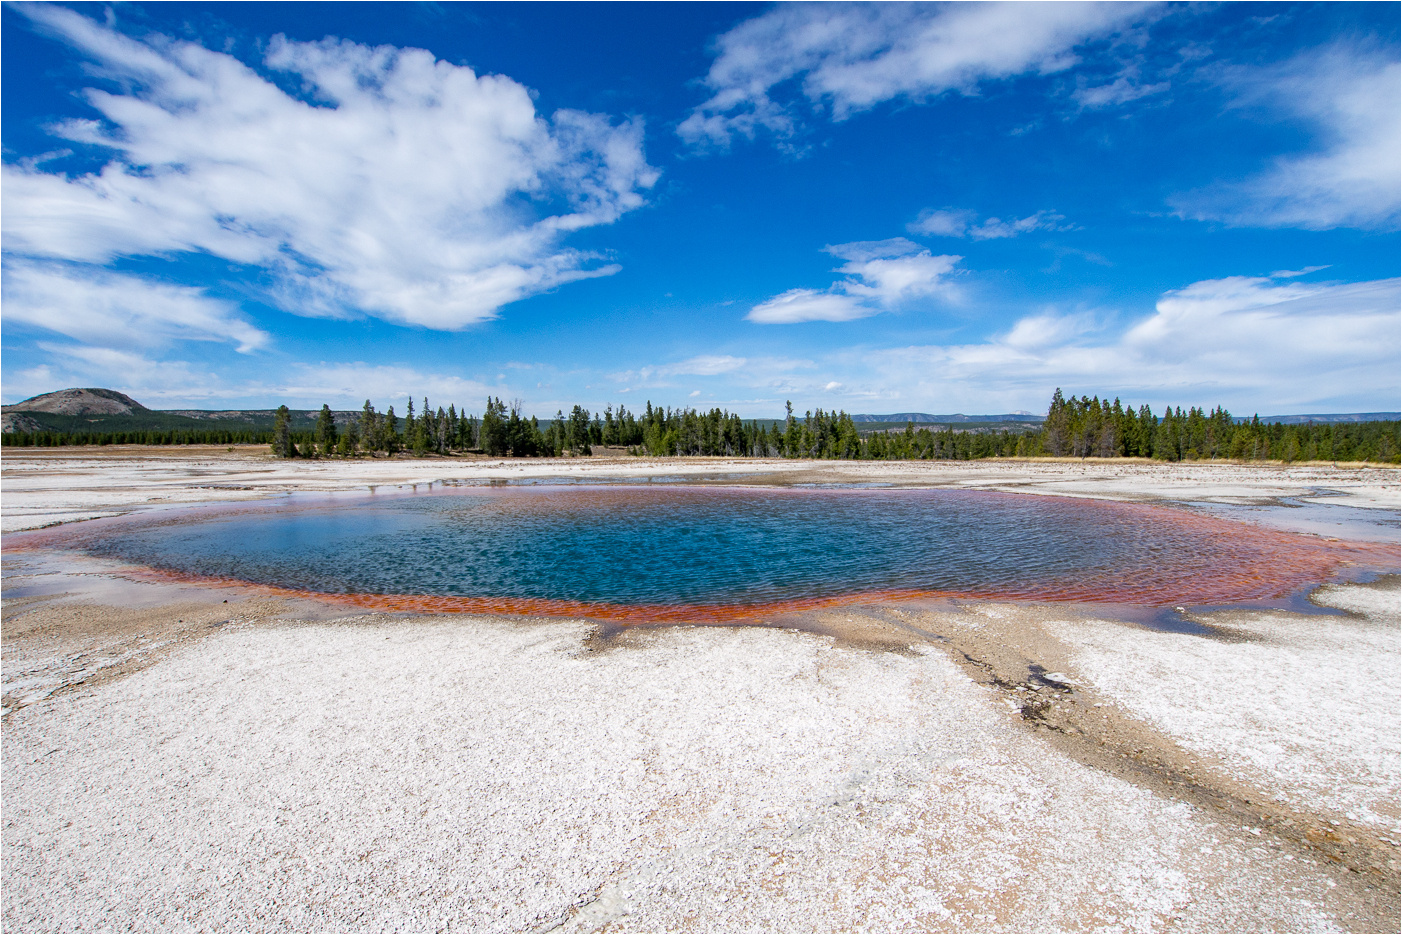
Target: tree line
[52, 439]
[1091, 428]
[1084, 427]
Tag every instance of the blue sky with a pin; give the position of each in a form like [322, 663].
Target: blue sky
[872, 208]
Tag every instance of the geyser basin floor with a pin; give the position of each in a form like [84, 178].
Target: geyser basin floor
[493, 775]
[185, 763]
[49, 485]
[708, 554]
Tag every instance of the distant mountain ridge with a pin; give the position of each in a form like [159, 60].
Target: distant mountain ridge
[93, 409]
[1329, 418]
[955, 417]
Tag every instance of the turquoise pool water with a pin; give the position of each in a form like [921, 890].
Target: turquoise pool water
[677, 546]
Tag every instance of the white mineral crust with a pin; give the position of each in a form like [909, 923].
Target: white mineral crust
[485, 775]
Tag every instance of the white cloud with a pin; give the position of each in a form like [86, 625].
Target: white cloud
[996, 228]
[155, 381]
[1250, 343]
[892, 280]
[1258, 324]
[706, 365]
[1046, 330]
[27, 382]
[957, 222]
[1294, 273]
[949, 222]
[98, 307]
[1349, 96]
[881, 274]
[863, 250]
[348, 385]
[1120, 91]
[108, 362]
[658, 376]
[166, 383]
[798, 305]
[402, 186]
[852, 57]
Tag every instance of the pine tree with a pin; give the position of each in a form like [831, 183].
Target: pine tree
[1057, 428]
[1166, 438]
[367, 426]
[326, 431]
[493, 432]
[791, 439]
[423, 438]
[390, 430]
[282, 435]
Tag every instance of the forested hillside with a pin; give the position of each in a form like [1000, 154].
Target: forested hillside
[1084, 427]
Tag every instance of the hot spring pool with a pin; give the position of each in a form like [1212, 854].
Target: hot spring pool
[678, 552]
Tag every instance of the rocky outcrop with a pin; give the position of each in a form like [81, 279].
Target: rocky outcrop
[15, 422]
[75, 402]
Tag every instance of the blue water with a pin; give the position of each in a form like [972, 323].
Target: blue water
[683, 545]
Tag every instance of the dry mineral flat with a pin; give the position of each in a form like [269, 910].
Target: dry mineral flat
[184, 758]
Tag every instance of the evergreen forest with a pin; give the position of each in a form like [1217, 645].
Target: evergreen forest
[1084, 427]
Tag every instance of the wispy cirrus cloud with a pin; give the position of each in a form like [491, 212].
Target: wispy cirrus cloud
[708, 365]
[396, 185]
[847, 58]
[350, 383]
[1348, 96]
[880, 275]
[961, 222]
[118, 310]
[1120, 91]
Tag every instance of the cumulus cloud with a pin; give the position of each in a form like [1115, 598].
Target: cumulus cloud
[849, 58]
[394, 185]
[115, 310]
[1349, 97]
[881, 274]
[889, 281]
[958, 222]
[1251, 343]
